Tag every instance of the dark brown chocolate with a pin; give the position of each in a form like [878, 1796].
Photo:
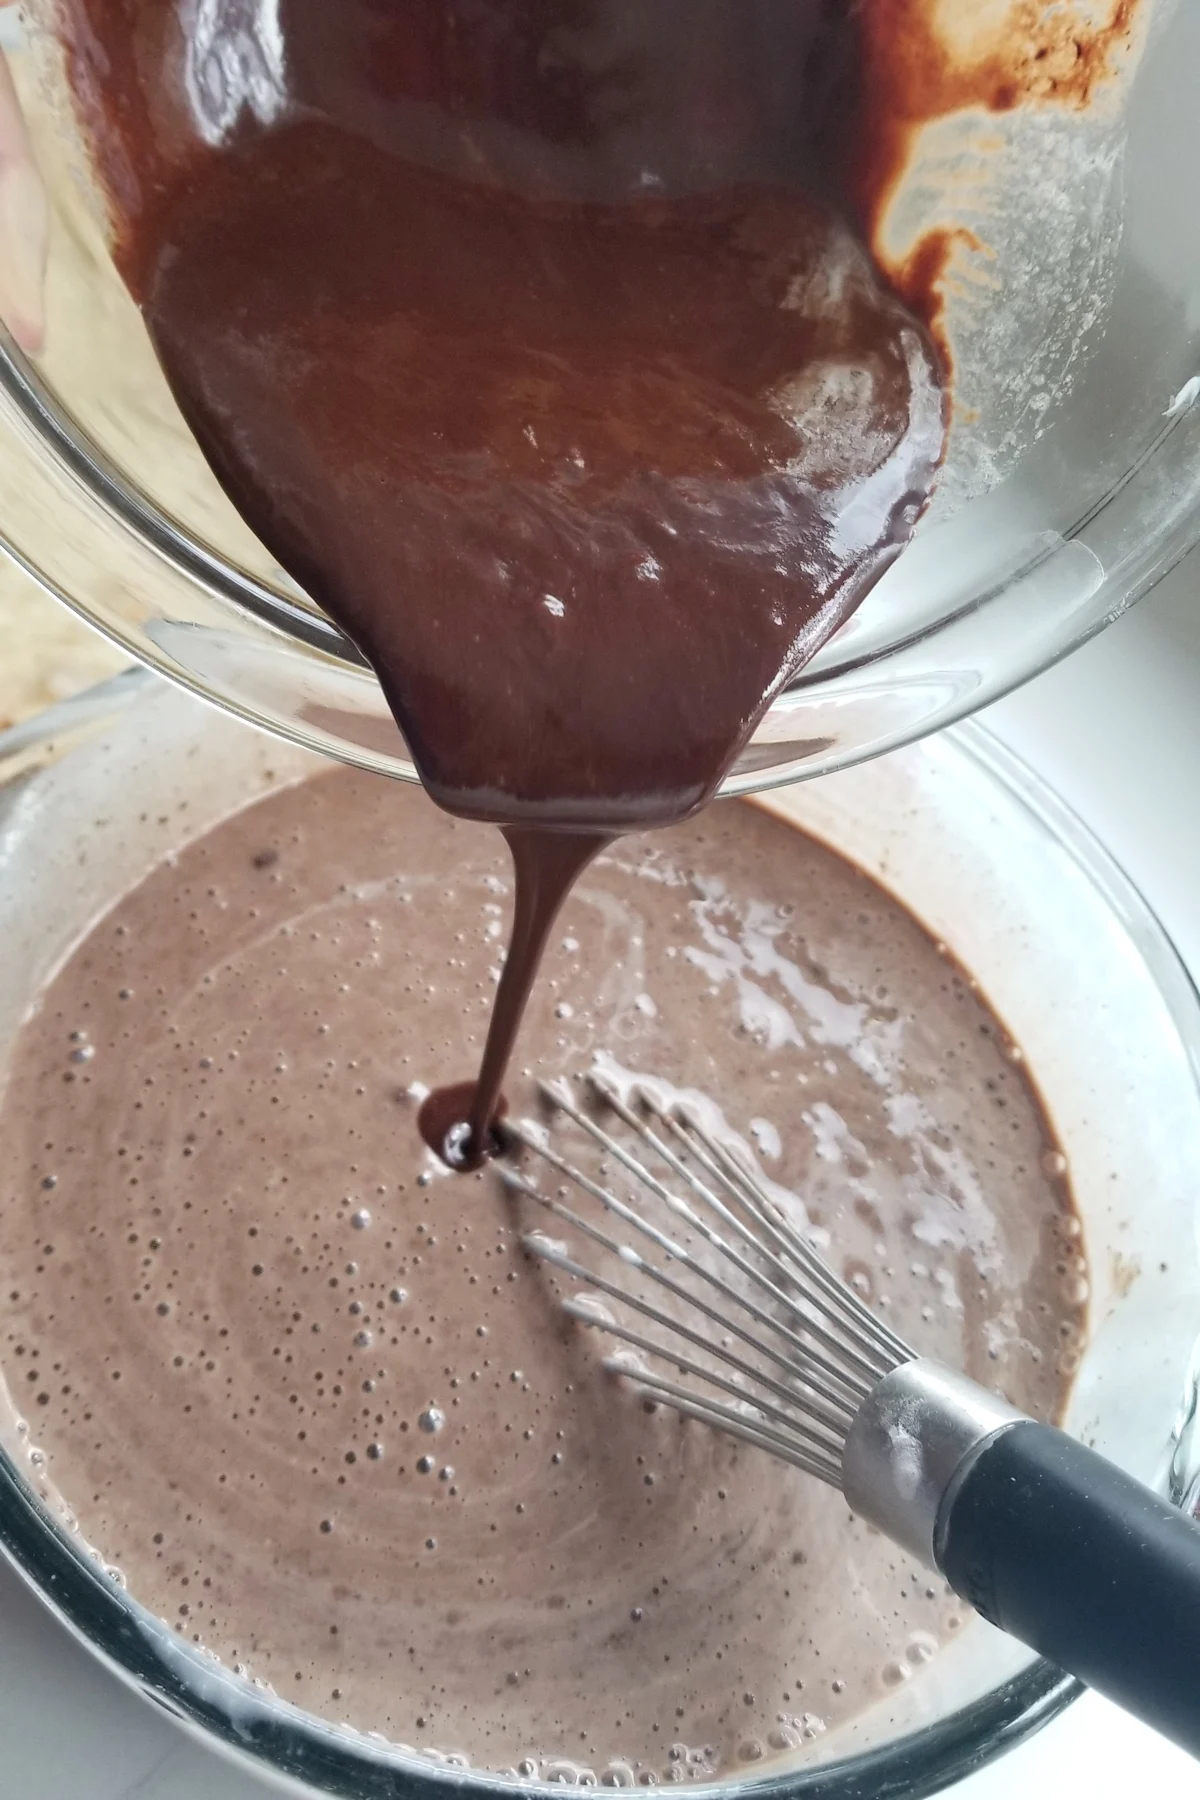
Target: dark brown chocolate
[538, 340]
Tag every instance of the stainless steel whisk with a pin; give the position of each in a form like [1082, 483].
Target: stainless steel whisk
[760, 1339]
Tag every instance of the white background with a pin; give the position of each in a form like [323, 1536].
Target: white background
[1117, 730]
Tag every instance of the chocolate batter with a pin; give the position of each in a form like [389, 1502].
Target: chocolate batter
[323, 1412]
[539, 341]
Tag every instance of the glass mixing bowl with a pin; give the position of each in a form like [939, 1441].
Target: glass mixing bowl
[1073, 962]
[1072, 481]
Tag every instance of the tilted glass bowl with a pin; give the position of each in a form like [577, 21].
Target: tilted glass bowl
[1075, 966]
[1072, 480]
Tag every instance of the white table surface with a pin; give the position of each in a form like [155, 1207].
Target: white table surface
[1117, 730]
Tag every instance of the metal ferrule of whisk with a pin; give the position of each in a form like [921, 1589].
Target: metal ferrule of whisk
[726, 1312]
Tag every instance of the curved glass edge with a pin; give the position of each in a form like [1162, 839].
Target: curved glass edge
[1179, 1477]
[1120, 892]
[32, 741]
[272, 1736]
[275, 1738]
[128, 507]
[839, 712]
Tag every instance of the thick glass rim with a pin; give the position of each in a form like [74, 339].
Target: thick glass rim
[1131, 534]
[302, 618]
[279, 1741]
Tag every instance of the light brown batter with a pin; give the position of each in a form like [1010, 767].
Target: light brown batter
[304, 1387]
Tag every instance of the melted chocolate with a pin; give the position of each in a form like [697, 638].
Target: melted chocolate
[445, 1122]
[537, 340]
[456, 1122]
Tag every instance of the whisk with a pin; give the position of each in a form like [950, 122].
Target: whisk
[729, 1315]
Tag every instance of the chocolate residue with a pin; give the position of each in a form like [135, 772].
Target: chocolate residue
[924, 61]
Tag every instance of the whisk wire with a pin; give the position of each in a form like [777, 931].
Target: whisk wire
[558, 1258]
[795, 1356]
[739, 1184]
[849, 1312]
[852, 1366]
[826, 1442]
[833, 1409]
[734, 1425]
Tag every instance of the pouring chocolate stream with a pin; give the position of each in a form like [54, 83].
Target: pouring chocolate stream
[541, 342]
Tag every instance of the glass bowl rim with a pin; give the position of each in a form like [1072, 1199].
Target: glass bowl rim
[293, 616]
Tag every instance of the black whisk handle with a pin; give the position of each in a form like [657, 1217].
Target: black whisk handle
[1059, 1548]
